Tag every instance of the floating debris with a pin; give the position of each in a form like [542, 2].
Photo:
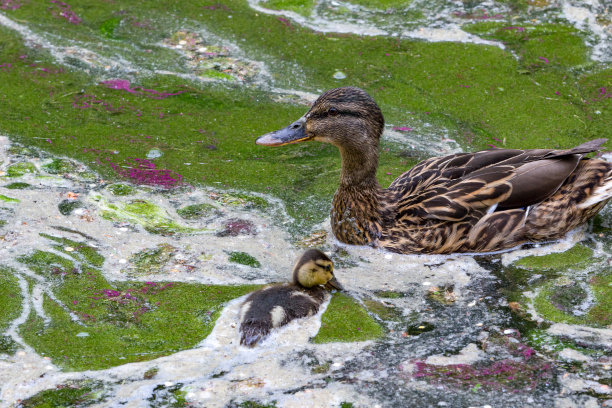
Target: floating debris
[154, 154]
[339, 75]
[211, 61]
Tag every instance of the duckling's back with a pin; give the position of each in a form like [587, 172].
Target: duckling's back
[276, 306]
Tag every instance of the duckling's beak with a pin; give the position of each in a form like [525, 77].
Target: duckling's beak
[294, 133]
[333, 284]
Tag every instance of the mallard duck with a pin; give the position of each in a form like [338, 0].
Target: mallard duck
[468, 202]
[277, 305]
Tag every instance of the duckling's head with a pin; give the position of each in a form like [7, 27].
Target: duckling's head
[346, 117]
[315, 268]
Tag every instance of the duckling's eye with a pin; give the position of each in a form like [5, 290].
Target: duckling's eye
[328, 268]
[332, 111]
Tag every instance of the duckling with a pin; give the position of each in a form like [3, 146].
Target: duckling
[468, 202]
[277, 305]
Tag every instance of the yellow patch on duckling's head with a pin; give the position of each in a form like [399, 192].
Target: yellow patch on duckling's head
[314, 268]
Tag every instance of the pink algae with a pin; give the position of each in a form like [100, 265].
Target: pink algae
[10, 4]
[87, 101]
[124, 85]
[142, 171]
[509, 375]
[63, 10]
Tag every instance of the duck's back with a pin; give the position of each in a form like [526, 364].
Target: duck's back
[481, 201]
[276, 306]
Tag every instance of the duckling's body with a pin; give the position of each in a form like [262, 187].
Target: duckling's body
[468, 202]
[277, 305]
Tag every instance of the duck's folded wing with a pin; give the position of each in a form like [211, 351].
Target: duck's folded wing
[498, 187]
[534, 182]
[453, 200]
[452, 187]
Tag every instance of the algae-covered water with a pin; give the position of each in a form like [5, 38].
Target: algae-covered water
[136, 210]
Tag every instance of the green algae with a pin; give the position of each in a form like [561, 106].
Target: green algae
[306, 178]
[539, 47]
[168, 396]
[20, 169]
[118, 322]
[577, 256]
[152, 261]
[556, 301]
[66, 207]
[389, 294]
[151, 217]
[243, 258]
[303, 7]
[59, 166]
[7, 199]
[8, 345]
[109, 27]
[383, 311]
[210, 73]
[10, 297]
[245, 201]
[196, 211]
[389, 4]
[443, 295]
[73, 394]
[253, 404]
[346, 321]
[544, 342]
[22, 151]
[150, 373]
[162, 319]
[321, 368]
[80, 251]
[119, 189]
[11, 300]
[17, 186]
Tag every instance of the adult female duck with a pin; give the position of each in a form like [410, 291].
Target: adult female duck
[468, 202]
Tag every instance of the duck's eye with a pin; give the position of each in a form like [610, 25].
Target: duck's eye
[332, 111]
[328, 268]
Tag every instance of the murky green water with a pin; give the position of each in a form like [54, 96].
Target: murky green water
[136, 210]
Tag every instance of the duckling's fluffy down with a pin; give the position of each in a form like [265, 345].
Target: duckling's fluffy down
[276, 306]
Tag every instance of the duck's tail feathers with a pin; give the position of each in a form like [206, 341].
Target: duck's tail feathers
[253, 331]
[586, 147]
[601, 193]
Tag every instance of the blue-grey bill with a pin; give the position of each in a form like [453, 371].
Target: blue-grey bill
[293, 133]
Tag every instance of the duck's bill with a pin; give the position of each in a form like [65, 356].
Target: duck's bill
[294, 133]
[333, 284]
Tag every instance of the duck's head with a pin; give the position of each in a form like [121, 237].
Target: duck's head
[315, 268]
[345, 117]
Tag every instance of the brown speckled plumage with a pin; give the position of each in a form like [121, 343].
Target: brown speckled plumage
[468, 202]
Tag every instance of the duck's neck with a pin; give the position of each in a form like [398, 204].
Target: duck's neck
[356, 207]
[359, 168]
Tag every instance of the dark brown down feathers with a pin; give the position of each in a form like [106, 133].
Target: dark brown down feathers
[468, 202]
[277, 305]
[257, 320]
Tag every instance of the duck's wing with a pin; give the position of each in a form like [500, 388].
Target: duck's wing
[452, 187]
